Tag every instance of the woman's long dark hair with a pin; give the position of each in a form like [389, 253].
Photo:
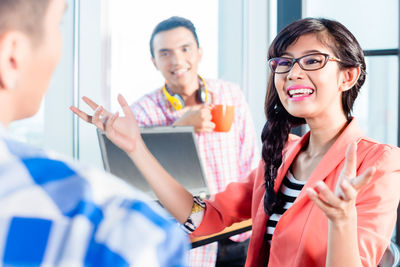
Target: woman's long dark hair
[279, 122]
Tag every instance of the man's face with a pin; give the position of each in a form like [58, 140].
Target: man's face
[177, 56]
[41, 61]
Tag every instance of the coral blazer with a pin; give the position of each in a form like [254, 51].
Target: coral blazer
[301, 235]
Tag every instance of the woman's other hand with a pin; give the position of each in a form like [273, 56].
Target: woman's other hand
[339, 206]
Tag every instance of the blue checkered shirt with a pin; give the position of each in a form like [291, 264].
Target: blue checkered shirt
[56, 213]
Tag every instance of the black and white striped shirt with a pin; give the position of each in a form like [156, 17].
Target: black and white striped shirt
[288, 192]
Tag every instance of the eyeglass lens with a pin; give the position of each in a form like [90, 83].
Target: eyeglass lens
[307, 62]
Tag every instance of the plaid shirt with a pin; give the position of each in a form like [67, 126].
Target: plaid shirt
[54, 213]
[227, 157]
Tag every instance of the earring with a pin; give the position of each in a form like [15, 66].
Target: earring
[277, 109]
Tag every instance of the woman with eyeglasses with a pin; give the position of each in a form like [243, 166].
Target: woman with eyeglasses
[328, 198]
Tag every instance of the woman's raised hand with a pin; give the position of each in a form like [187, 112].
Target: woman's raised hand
[98, 110]
[340, 205]
[122, 131]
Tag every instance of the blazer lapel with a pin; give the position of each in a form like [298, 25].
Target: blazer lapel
[334, 156]
[327, 165]
[289, 155]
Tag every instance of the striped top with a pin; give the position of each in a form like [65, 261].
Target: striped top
[289, 191]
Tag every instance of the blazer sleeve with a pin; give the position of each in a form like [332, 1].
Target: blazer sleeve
[377, 203]
[232, 205]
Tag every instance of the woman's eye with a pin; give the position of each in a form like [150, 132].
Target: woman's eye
[312, 61]
[284, 63]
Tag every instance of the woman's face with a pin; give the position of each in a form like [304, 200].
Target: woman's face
[310, 94]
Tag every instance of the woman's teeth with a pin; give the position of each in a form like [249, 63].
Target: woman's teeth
[300, 92]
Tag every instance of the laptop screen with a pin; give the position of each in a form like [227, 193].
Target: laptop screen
[173, 146]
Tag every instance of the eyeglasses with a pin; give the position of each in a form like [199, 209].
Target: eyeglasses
[313, 61]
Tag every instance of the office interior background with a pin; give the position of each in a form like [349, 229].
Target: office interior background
[106, 52]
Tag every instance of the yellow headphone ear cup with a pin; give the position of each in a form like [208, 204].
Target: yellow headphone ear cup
[176, 102]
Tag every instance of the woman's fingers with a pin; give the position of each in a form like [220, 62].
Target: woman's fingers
[109, 124]
[363, 179]
[341, 204]
[349, 170]
[348, 191]
[327, 195]
[99, 119]
[104, 114]
[125, 142]
[81, 114]
[313, 195]
[90, 102]
[125, 107]
[350, 187]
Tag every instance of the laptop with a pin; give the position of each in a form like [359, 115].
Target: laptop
[174, 147]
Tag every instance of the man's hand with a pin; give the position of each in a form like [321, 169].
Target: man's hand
[199, 117]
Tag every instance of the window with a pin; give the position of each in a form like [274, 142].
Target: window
[131, 23]
[376, 108]
[380, 18]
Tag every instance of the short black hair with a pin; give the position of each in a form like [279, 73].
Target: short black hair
[172, 23]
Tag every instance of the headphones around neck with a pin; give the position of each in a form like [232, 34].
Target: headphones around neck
[178, 102]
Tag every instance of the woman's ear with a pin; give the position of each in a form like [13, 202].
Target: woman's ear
[14, 47]
[349, 78]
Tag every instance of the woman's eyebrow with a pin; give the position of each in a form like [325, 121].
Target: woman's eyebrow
[304, 53]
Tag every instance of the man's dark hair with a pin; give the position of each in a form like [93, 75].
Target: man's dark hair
[172, 23]
[23, 15]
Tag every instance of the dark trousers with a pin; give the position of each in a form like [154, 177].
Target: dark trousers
[231, 254]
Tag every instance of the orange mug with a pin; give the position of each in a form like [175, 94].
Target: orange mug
[222, 116]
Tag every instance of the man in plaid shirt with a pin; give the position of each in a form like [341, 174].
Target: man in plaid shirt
[54, 212]
[227, 156]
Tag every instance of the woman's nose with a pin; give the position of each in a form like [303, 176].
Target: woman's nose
[295, 72]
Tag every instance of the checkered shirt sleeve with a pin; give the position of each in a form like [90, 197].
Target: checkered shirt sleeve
[57, 213]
